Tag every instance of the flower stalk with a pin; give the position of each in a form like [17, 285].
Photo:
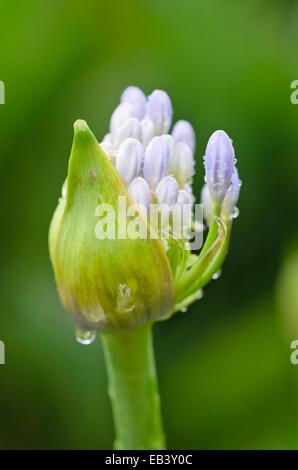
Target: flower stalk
[133, 388]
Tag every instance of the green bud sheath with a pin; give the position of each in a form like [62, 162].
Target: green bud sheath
[104, 283]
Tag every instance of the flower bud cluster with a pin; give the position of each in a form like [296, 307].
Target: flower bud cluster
[156, 165]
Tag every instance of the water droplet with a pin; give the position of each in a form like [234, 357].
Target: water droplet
[235, 213]
[125, 302]
[85, 336]
[200, 294]
[184, 309]
[216, 275]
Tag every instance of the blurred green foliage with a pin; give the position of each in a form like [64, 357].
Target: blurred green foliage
[225, 375]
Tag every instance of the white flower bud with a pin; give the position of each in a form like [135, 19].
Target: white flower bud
[206, 201]
[147, 128]
[167, 191]
[159, 110]
[140, 193]
[136, 97]
[184, 163]
[232, 196]
[188, 189]
[130, 128]
[123, 112]
[183, 132]
[219, 165]
[129, 159]
[156, 161]
[172, 156]
[183, 198]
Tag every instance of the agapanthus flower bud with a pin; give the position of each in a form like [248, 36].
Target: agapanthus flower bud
[167, 191]
[183, 132]
[232, 196]
[140, 193]
[206, 202]
[159, 110]
[123, 112]
[129, 159]
[183, 198]
[156, 161]
[184, 201]
[123, 281]
[184, 163]
[188, 189]
[172, 156]
[219, 165]
[130, 128]
[147, 128]
[136, 97]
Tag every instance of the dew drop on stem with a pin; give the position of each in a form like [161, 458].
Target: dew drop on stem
[85, 337]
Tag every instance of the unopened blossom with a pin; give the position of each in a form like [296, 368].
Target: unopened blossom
[219, 165]
[232, 196]
[129, 159]
[159, 110]
[130, 128]
[184, 132]
[137, 99]
[167, 191]
[156, 161]
[140, 192]
[206, 202]
[184, 163]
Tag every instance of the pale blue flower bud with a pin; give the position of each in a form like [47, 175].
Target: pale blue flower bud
[172, 157]
[167, 191]
[188, 189]
[130, 128]
[206, 202]
[156, 161]
[232, 196]
[183, 132]
[182, 212]
[219, 165]
[136, 97]
[159, 110]
[129, 159]
[147, 128]
[140, 193]
[123, 112]
[184, 163]
[184, 198]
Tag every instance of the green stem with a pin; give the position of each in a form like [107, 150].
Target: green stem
[133, 388]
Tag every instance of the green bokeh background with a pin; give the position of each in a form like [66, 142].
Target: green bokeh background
[225, 375]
